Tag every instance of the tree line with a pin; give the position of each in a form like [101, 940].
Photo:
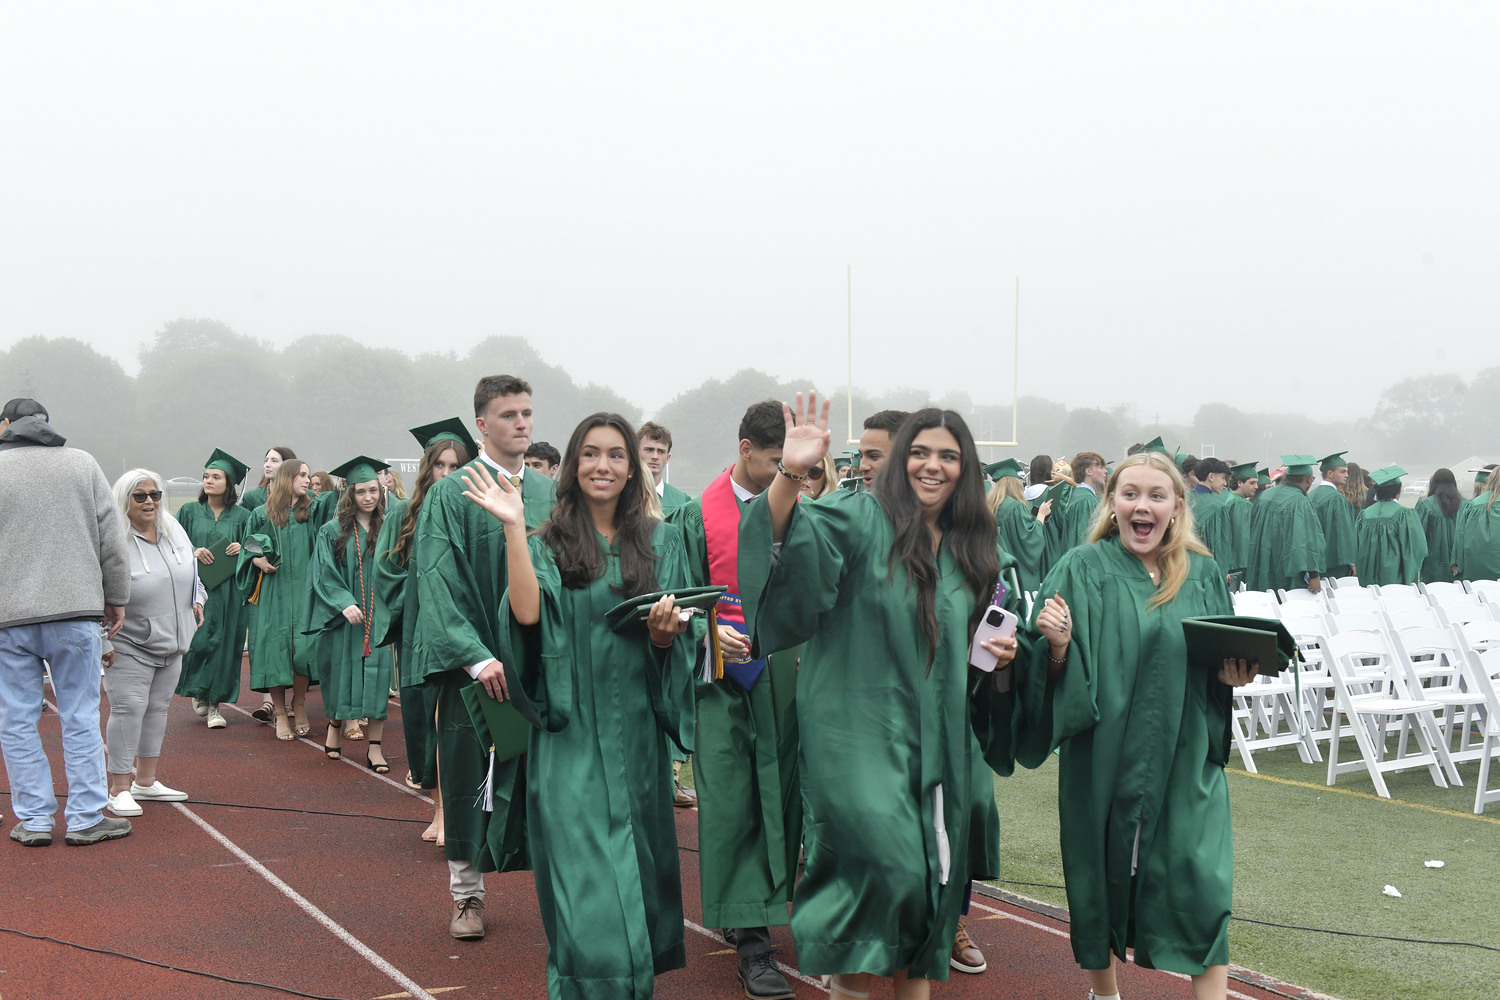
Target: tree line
[202, 385]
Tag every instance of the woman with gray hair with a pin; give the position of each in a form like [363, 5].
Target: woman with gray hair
[144, 660]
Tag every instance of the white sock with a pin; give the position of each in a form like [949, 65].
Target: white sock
[1104, 996]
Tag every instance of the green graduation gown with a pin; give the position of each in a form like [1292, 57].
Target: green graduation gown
[211, 666]
[1240, 509]
[1024, 537]
[1336, 518]
[672, 498]
[354, 685]
[872, 896]
[744, 746]
[395, 619]
[1391, 544]
[460, 576]
[1438, 530]
[1068, 524]
[599, 781]
[1213, 520]
[255, 498]
[1476, 539]
[1285, 541]
[250, 500]
[1144, 738]
[279, 650]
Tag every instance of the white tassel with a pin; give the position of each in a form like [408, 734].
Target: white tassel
[487, 790]
[945, 854]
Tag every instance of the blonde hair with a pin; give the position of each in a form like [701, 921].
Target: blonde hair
[1007, 488]
[1180, 537]
[1062, 468]
[398, 489]
[830, 478]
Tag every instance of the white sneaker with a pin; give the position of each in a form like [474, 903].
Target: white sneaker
[200, 707]
[123, 804]
[215, 720]
[157, 792]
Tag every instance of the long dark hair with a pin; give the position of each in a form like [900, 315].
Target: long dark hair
[965, 519]
[281, 503]
[231, 495]
[286, 454]
[402, 550]
[348, 517]
[1444, 486]
[570, 530]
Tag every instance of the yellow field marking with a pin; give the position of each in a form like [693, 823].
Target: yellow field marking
[1366, 795]
[723, 951]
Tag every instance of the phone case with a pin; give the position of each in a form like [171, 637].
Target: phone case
[979, 657]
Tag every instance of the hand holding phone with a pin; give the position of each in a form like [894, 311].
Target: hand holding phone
[997, 623]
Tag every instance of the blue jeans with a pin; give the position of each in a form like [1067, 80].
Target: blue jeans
[72, 649]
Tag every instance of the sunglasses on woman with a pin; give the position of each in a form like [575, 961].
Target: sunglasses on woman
[153, 496]
[815, 473]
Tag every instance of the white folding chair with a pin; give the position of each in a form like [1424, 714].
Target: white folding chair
[1358, 621]
[1357, 600]
[1461, 614]
[1423, 617]
[1479, 635]
[1388, 590]
[1484, 672]
[1404, 601]
[1301, 596]
[1267, 715]
[1441, 593]
[1437, 670]
[1369, 689]
[1489, 589]
[1255, 603]
[1349, 587]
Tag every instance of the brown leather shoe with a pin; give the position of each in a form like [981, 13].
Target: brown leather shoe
[685, 798]
[468, 919]
[966, 955]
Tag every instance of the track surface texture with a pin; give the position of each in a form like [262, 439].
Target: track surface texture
[237, 882]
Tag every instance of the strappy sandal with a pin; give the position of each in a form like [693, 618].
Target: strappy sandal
[284, 727]
[381, 768]
[302, 726]
[265, 713]
[353, 732]
[331, 751]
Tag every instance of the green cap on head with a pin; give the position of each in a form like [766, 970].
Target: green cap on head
[1335, 461]
[1389, 474]
[227, 464]
[1245, 471]
[1299, 465]
[1264, 475]
[359, 470]
[1155, 445]
[1481, 476]
[1005, 468]
[452, 428]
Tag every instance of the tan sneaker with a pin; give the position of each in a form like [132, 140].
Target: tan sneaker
[468, 919]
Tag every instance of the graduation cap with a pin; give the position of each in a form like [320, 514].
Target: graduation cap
[1264, 475]
[227, 464]
[359, 470]
[1155, 445]
[1481, 476]
[452, 429]
[1387, 475]
[1334, 461]
[1244, 471]
[1006, 468]
[1299, 465]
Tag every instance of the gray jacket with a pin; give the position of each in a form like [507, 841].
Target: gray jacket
[62, 539]
[164, 586]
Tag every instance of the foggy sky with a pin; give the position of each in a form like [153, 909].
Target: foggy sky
[1278, 206]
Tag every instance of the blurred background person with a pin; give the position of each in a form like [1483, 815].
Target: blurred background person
[1438, 512]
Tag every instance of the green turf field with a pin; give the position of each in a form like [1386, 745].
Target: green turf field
[1320, 857]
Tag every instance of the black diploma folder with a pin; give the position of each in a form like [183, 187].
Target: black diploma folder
[1212, 639]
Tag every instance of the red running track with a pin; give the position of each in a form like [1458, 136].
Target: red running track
[239, 883]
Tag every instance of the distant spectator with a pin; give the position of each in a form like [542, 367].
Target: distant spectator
[390, 479]
[544, 458]
[322, 482]
[62, 543]
[144, 661]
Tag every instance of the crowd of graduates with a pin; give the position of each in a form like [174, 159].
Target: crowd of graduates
[566, 630]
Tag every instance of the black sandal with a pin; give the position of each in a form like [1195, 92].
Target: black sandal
[333, 752]
[377, 768]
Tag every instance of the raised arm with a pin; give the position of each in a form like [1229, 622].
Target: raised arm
[504, 502]
[806, 444]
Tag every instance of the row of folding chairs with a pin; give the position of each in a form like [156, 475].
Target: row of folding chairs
[1437, 683]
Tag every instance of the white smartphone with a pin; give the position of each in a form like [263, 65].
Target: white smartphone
[996, 623]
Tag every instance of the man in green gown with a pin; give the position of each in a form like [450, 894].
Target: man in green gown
[1212, 515]
[1476, 533]
[875, 439]
[1069, 522]
[1239, 497]
[1021, 534]
[1391, 544]
[1286, 541]
[745, 737]
[656, 452]
[1335, 517]
[461, 576]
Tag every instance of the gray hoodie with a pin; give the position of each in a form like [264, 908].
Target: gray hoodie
[62, 539]
[164, 586]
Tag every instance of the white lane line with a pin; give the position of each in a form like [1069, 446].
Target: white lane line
[401, 785]
[786, 970]
[976, 904]
[363, 950]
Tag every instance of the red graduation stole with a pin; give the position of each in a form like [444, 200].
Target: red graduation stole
[721, 533]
